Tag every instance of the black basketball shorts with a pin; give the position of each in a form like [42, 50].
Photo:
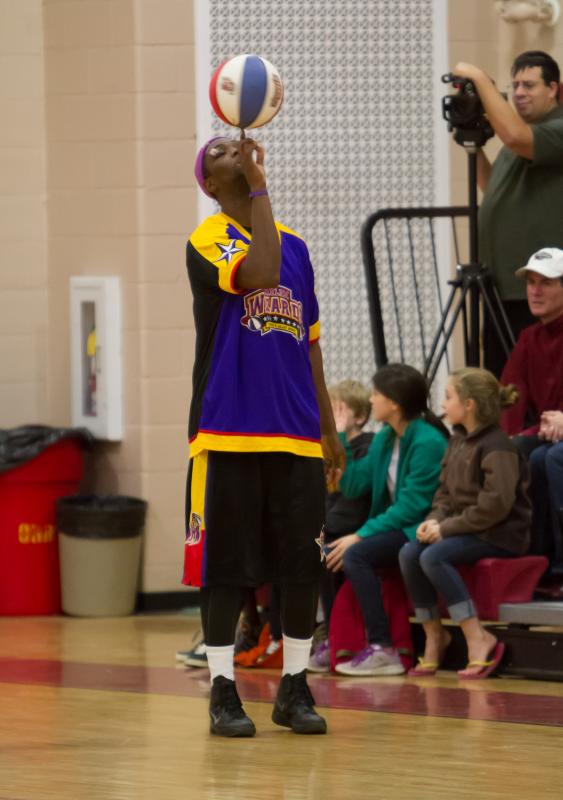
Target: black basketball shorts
[253, 518]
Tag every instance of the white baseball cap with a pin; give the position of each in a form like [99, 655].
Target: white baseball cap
[547, 262]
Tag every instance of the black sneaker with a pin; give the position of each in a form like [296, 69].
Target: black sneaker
[294, 706]
[226, 711]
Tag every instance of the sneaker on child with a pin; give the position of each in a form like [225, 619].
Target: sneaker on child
[319, 660]
[272, 657]
[373, 660]
[196, 657]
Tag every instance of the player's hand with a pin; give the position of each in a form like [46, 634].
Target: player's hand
[252, 163]
[334, 559]
[334, 459]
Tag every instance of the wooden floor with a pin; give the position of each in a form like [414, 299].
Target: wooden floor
[98, 710]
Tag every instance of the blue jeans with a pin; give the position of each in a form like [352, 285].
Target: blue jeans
[429, 569]
[379, 550]
[546, 467]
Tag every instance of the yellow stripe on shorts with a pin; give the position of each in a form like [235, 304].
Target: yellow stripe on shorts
[199, 478]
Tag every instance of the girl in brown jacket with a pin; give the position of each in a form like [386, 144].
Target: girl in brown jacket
[480, 510]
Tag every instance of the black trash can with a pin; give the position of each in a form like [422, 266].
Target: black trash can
[100, 552]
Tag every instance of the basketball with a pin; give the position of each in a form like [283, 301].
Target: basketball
[255, 324]
[246, 91]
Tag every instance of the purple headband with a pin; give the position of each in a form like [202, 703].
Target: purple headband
[198, 166]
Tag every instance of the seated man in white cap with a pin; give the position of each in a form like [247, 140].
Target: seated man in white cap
[536, 367]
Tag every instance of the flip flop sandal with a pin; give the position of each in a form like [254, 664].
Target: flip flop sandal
[486, 667]
[423, 669]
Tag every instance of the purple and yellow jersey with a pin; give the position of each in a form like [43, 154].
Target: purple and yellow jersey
[253, 388]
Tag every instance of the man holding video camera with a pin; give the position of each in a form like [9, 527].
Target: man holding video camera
[522, 207]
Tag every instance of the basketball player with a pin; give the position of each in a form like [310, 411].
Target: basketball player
[260, 424]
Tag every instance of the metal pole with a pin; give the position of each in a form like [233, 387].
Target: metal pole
[474, 351]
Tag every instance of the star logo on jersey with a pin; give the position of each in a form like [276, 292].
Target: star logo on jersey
[228, 251]
[320, 540]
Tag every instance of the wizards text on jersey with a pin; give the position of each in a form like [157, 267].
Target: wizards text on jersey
[273, 309]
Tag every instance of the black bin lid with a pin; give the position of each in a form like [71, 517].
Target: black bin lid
[101, 516]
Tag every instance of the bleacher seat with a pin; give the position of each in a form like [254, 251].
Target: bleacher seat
[490, 582]
[493, 581]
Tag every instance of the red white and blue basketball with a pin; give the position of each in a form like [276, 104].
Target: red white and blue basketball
[246, 91]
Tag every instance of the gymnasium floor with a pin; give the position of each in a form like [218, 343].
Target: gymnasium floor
[98, 710]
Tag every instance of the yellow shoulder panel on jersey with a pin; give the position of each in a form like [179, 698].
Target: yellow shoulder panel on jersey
[215, 242]
[285, 229]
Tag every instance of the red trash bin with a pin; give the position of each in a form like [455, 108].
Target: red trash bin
[29, 549]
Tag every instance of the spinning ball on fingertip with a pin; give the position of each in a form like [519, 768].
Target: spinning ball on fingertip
[246, 91]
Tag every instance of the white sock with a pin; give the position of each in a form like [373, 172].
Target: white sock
[296, 654]
[220, 661]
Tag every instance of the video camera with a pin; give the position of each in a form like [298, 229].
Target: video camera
[465, 114]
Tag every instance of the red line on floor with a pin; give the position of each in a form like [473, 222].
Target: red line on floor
[477, 702]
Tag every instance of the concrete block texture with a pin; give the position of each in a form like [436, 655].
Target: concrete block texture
[83, 24]
[21, 26]
[19, 403]
[18, 358]
[95, 178]
[22, 171]
[162, 258]
[165, 401]
[164, 22]
[165, 306]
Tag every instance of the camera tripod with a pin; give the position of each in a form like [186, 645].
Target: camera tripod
[473, 282]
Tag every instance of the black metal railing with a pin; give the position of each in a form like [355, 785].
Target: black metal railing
[399, 294]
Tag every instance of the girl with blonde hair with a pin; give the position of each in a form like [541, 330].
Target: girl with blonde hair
[480, 510]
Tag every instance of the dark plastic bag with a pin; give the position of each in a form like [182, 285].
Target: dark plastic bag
[20, 445]
[101, 516]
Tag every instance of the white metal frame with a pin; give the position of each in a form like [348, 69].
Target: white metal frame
[105, 421]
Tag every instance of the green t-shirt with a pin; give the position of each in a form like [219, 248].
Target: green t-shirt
[522, 210]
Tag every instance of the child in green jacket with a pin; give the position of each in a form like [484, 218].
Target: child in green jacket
[401, 470]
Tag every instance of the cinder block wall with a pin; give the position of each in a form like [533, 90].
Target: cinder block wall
[23, 230]
[95, 178]
[119, 140]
